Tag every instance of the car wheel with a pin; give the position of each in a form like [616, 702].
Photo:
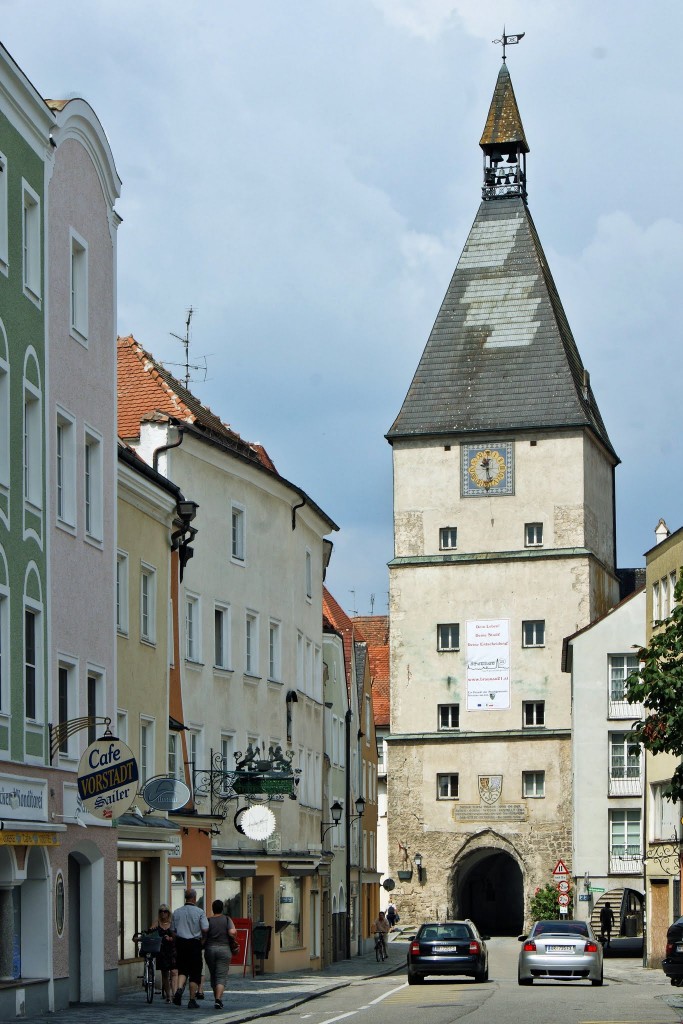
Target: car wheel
[415, 979]
[596, 981]
[524, 981]
[481, 976]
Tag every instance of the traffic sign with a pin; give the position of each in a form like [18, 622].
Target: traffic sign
[594, 888]
[563, 885]
[560, 869]
[563, 899]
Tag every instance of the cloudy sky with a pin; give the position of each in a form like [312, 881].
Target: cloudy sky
[304, 173]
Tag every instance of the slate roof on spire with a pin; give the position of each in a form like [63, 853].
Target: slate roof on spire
[504, 123]
[501, 355]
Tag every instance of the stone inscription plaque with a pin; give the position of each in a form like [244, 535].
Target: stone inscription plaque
[489, 812]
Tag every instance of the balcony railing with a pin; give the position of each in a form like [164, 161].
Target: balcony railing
[626, 860]
[631, 786]
[622, 709]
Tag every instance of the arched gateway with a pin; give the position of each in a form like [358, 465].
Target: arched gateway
[487, 886]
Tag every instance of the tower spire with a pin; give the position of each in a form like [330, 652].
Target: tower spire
[504, 142]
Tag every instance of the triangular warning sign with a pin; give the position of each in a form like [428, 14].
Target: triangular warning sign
[560, 868]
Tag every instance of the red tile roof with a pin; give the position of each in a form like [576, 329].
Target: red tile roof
[375, 630]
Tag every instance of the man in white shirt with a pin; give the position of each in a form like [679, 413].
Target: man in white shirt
[190, 924]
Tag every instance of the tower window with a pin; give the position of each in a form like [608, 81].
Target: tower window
[448, 636]
[449, 716]
[447, 787]
[533, 713]
[533, 784]
[448, 538]
[533, 535]
[533, 633]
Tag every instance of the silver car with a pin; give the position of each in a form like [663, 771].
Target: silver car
[561, 951]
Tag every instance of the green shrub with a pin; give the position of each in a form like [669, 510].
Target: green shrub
[545, 905]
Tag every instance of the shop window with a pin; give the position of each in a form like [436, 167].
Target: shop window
[289, 918]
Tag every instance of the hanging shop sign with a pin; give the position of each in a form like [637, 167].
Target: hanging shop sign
[164, 793]
[23, 798]
[250, 782]
[107, 778]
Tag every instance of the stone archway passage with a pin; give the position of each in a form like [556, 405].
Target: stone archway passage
[489, 890]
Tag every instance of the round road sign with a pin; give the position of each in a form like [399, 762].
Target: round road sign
[563, 886]
[563, 899]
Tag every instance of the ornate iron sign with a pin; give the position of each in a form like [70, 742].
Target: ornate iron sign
[253, 775]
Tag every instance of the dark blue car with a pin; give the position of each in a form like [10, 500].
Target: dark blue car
[448, 947]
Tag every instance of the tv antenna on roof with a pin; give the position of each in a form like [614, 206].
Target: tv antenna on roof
[185, 340]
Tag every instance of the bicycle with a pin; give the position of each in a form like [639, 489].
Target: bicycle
[380, 947]
[150, 944]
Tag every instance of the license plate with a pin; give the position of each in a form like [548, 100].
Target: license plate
[445, 949]
[559, 949]
[679, 947]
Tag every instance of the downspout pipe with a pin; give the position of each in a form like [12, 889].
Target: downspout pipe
[167, 447]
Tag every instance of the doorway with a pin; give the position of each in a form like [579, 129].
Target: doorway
[488, 888]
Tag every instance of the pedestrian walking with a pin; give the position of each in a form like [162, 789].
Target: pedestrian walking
[217, 952]
[606, 924]
[392, 916]
[166, 957]
[190, 924]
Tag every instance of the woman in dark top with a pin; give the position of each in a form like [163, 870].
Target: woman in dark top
[165, 958]
[217, 950]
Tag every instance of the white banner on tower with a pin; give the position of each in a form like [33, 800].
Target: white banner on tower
[488, 665]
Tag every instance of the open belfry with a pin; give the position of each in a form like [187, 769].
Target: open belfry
[504, 544]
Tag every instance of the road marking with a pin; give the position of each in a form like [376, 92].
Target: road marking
[352, 1013]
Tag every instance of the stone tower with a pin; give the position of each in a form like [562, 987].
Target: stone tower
[504, 544]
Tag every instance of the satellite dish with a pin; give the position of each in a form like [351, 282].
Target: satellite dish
[389, 884]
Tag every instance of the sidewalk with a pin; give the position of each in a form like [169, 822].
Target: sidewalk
[244, 999]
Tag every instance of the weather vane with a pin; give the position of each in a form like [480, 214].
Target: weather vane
[508, 40]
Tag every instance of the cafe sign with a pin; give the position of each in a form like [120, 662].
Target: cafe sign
[107, 778]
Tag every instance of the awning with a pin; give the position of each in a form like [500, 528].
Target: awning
[145, 845]
[300, 867]
[235, 867]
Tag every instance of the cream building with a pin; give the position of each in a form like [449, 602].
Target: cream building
[503, 545]
[663, 565]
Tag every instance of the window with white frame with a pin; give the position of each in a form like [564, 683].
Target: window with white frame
[32, 663]
[148, 601]
[192, 628]
[65, 469]
[122, 725]
[664, 597]
[221, 636]
[533, 535]
[33, 447]
[448, 636]
[624, 756]
[317, 672]
[447, 787]
[308, 668]
[533, 713]
[666, 815]
[237, 542]
[449, 716]
[251, 643]
[146, 766]
[381, 768]
[309, 575]
[79, 287]
[300, 661]
[4, 249]
[92, 484]
[122, 592]
[448, 538]
[4, 412]
[94, 700]
[672, 588]
[227, 757]
[274, 651]
[533, 633]
[175, 760]
[67, 703]
[195, 748]
[621, 666]
[31, 242]
[342, 742]
[335, 740]
[533, 784]
[625, 833]
[178, 887]
[655, 602]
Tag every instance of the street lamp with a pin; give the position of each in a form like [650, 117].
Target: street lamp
[360, 808]
[418, 864]
[336, 810]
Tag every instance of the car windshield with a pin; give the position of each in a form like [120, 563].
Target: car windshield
[560, 928]
[438, 932]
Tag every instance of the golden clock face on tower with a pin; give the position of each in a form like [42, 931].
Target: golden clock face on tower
[487, 469]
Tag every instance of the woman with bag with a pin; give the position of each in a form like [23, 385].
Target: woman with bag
[218, 950]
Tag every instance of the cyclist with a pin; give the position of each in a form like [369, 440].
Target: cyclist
[381, 927]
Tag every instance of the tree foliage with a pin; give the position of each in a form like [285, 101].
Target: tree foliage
[545, 904]
[658, 686]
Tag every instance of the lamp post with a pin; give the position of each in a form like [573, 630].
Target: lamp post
[336, 810]
[360, 809]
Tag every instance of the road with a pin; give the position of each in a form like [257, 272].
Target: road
[388, 999]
